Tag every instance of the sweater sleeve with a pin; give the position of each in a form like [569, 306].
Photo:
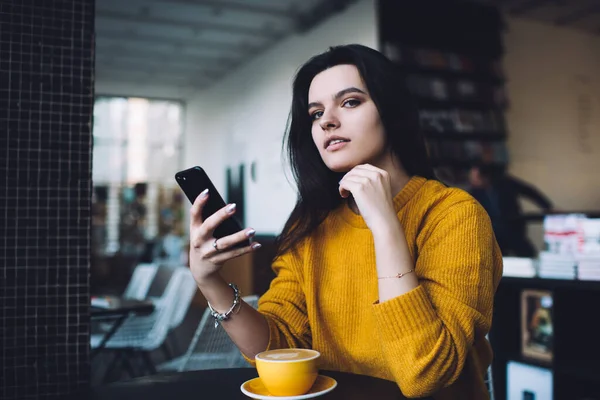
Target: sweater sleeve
[427, 333]
[284, 307]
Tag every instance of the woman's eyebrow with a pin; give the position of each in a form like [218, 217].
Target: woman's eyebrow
[338, 95]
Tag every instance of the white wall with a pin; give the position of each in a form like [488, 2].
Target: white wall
[242, 119]
[554, 118]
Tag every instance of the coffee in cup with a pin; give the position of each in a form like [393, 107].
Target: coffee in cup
[288, 372]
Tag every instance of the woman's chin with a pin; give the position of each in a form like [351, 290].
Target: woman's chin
[340, 167]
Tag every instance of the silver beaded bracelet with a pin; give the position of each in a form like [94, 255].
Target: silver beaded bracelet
[219, 317]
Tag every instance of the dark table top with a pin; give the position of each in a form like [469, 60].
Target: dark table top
[114, 306]
[224, 384]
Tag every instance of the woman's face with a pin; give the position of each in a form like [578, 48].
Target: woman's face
[346, 127]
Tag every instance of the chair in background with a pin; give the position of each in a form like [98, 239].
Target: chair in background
[489, 378]
[210, 348]
[140, 281]
[489, 382]
[139, 335]
[182, 306]
[136, 289]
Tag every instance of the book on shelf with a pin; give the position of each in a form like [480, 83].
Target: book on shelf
[432, 59]
[573, 247]
[521, 267]
[588, 266]
[562, 275]
[537, 325]
[557, 265]
[469, 151]
[462, 121]
[438, 88]
[528, 382]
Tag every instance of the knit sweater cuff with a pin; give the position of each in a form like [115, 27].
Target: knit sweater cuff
[405, 314]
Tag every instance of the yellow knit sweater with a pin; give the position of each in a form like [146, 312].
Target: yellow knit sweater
[431, 340]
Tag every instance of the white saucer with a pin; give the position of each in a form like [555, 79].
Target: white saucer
[255, 389]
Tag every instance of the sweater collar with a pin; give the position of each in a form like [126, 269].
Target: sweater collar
[408, 191]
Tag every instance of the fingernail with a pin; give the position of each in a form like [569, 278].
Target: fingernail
[204, 193]
[250, 233]
[256, 246]
[231, 208]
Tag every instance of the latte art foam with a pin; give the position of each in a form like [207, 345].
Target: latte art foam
[284, 356]
[288, 355]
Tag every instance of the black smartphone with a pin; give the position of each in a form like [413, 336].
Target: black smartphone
[194, 181]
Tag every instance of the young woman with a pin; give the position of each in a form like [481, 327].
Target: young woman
[383, 269]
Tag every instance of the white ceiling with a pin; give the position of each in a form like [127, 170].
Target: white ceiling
[193, 43]
[185, 44]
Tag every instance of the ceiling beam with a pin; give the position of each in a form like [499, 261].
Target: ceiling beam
[157, 67]
[151, 80]
[208, 44]
[320, 12]
[150, 83]
[237, 6]
[152, 60]
[132, 62]
[127, 40]
[116, 69]
[576, 15]
[141, 74]
[122, 49]
[197, 27]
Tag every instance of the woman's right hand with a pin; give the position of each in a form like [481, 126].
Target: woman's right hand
[205, 260]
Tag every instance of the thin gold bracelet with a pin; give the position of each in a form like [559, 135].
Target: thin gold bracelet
[399, 275]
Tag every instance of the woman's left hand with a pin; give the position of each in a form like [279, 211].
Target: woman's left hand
[371, 189]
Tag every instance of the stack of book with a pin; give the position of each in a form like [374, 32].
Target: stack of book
[557, 265]
[520, 267]
[588, 249]
[588, 267]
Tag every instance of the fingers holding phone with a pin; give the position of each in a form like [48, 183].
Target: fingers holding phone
[225, 248]
[207, 253]
[214, 221]
[197, 205]
[207, 201]
[215, 234]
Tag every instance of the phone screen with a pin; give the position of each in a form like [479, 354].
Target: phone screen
[194, 181]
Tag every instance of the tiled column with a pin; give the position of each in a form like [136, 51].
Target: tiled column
[46, 103]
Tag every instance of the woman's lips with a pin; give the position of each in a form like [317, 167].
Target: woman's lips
[337, 146]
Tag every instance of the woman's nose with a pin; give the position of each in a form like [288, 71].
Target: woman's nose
[329, 121]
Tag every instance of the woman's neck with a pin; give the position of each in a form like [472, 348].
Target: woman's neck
[398, 179]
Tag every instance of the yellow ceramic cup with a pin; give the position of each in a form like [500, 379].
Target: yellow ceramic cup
[288, 372]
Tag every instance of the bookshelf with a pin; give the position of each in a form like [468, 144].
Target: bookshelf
[451, 55]
[576, 348]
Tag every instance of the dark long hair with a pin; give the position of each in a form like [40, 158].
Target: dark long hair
[317, 184]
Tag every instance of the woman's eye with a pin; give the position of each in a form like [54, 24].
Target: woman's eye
[351, 103]
[316, 115]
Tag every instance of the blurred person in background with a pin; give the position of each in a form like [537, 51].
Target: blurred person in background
[381, 268]
[499, 193]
